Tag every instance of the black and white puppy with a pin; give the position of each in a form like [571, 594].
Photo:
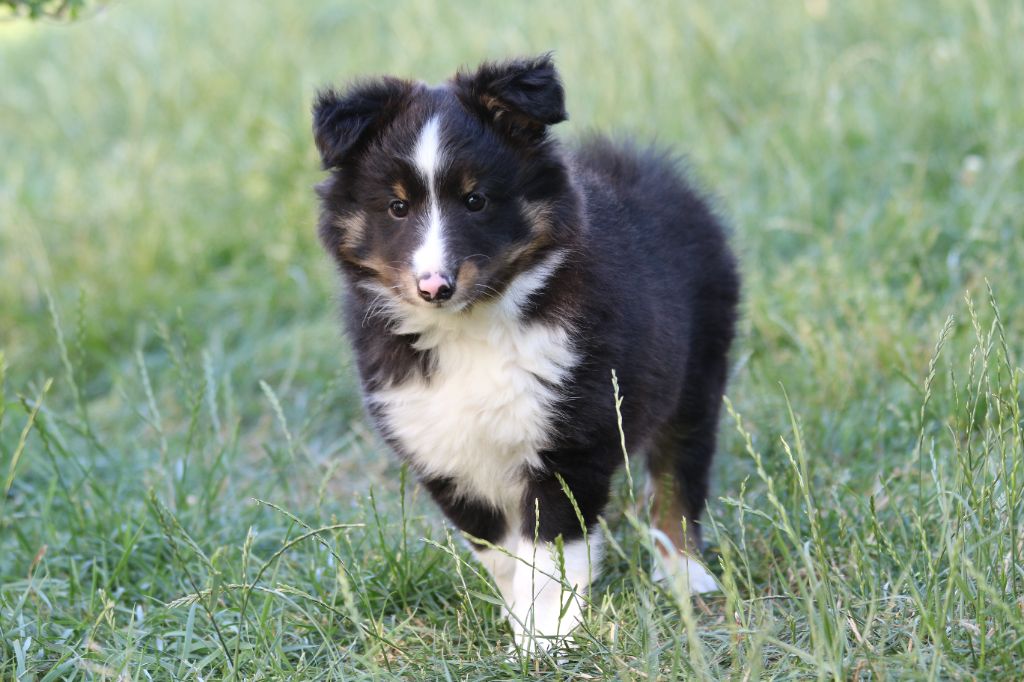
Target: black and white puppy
[493, 279]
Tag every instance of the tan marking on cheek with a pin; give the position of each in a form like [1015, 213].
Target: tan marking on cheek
[390, 275]
[400, 192]
[468, 274]
[395, 279]
[353, 231]
[525, 252]
[376, 264]
[538, 214]
[500, 269]
[353, 228]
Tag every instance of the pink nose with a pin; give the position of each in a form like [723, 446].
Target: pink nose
[434, 286]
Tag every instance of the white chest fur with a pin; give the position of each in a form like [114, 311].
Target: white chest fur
[486, 410]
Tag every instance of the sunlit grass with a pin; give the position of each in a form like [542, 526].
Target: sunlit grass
[189, 489]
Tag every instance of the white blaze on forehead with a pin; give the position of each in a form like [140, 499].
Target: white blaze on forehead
[428, 149]
[429, 157]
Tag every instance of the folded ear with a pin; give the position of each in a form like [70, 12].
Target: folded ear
[521, 97]
[344, 122]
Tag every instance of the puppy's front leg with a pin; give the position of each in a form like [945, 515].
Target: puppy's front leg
[550, 583]
[548, 587]
[482, 521]
[501, 562]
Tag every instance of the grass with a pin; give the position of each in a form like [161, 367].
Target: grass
[190, 490]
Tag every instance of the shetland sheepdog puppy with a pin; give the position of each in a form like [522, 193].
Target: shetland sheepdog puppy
[492, 280]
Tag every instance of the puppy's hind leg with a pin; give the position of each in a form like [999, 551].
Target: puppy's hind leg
[680, 465]
[676, 537]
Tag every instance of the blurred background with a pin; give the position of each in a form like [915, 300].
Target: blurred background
[157, 167]
[158, 256]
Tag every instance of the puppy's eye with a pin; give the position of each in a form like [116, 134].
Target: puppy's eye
[398, 208]
[474, 201]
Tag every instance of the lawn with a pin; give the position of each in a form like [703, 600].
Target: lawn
[190, 490]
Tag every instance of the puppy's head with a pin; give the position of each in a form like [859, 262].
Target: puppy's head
[439, 196]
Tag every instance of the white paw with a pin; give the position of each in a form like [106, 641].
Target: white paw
[672, 566]
[699, 578]
[531, 644]
[532, 648]
[545, 603]
[542, 625]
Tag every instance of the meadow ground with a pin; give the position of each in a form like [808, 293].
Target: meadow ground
[189, 490]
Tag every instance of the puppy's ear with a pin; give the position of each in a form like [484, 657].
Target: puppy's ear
[344, 122]
[521, 97]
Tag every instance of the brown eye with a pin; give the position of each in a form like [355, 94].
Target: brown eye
[474, 201]
[398, 208]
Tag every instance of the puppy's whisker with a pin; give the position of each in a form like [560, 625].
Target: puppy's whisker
[489, 291]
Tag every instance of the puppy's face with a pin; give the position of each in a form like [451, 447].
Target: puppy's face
[438, 197]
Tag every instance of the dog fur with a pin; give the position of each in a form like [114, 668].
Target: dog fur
[492, 280]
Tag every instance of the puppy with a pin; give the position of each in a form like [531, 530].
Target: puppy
[492, 281]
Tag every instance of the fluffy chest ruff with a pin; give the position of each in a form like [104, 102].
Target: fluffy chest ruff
[485, 410]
